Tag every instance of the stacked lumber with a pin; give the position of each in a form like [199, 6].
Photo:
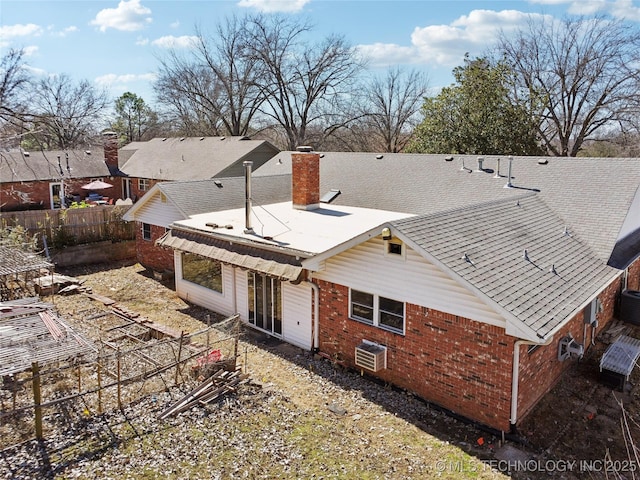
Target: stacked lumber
[214, 387]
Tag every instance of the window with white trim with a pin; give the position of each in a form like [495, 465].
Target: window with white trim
[202, 271]
[146, 231]
[375, 310]
[143, 184]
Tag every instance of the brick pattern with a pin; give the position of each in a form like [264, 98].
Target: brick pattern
[111, 152]
[136, 192]
[151, 256]
[13, 195]
[633, 277]
[305, 180]
[540, 370]
[458, 363]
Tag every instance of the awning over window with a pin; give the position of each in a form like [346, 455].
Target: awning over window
[270, 263]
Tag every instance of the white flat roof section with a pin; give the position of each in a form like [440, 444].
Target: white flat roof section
[280, 225]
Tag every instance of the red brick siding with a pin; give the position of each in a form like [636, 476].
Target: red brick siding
[460, 364]
[633, 278]
[541, 369]
[14, 194]
[151, 256]
[305, 179]
[136, 192]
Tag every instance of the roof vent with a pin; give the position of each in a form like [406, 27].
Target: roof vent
[182, 139]
[480, 162]
[222, 138]
[509, 184]
[164, 139]
[87, 152]
[449, 158]
[465, 169]
[379, 157]
[543, 161]
[497, 175]
[212, 225]
[525, 255]
[566, 232]
[330, 196]
[322, 155]
[201, 138]
[553, 269]
[26, 154]
[304, 148]
[279, 162]
[218, 183]
[466, 258]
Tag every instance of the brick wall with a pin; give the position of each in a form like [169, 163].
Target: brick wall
[540, 370]
[460, 364]
[151, 256]
[136, 192]
[14, 195]
[305, 180]
[633, 278]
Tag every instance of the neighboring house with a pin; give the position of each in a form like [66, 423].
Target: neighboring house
[53, 179]
[449, 277]
[188, 158]
[168, 202]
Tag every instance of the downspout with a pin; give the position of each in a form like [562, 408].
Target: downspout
[234, 295]
[315, 325]
[515, 377]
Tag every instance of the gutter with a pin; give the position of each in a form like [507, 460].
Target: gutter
[315, 325]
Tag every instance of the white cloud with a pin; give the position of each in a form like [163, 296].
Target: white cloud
[142, 41]
[9, 32]
[446, 45]
[616, 8]
[175, 24]
[271, 6]
[112, 79]
[169, 41]
[61, 33]
[30, 50]
[129, 16]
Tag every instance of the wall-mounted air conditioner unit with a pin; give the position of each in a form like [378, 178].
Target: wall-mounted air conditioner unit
[371, 356]
[568, 347]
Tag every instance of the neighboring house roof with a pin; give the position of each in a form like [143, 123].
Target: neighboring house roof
[194, 158]
[516, 255]
[202, 196]
[44, 165]
[592, 195]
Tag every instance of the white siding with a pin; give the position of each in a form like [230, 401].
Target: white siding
[204, 297]
[296, 313]
[156, 212]
[296, 301]
[412, 279]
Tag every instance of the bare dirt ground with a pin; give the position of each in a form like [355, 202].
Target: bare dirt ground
[303, 417]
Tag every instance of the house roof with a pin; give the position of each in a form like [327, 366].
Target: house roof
[592, 195]
[194, 158]
[516, 255]
[202, 196]
[280, 227]
[20, 166]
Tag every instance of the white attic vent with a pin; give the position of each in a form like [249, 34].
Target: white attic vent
[371, 356]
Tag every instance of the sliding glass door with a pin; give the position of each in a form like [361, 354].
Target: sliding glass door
[265, 302]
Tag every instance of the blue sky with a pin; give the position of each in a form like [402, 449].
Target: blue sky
[116, 44]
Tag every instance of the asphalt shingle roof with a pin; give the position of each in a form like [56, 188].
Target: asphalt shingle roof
[592, 195]
[485, 244]
[41, 165]
[193, 158]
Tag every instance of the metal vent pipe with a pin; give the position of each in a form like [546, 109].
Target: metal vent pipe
[247, 196]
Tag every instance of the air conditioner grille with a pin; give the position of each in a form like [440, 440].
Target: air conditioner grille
[371, 356]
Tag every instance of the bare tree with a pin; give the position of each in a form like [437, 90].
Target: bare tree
[215, 91]
[14, 81]
[582, 72]
[67, 114]
[391, 105]
[303, 85]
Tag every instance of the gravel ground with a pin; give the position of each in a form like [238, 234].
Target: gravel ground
[299, 416]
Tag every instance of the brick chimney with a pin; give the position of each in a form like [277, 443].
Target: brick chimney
[111, 151]
[305, 179]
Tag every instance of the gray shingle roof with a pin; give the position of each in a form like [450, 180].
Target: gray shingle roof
[202, 196]
[592, 195]
[194, 158]
[40, 165]
[484, 245]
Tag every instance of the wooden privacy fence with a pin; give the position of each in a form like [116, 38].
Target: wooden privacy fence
[73, 226]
